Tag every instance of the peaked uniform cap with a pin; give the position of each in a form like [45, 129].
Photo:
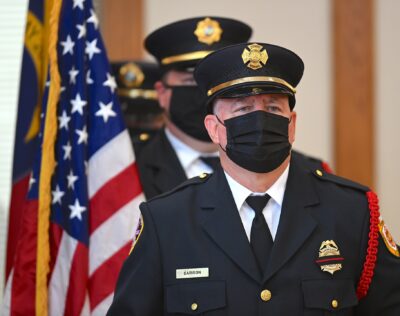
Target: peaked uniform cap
[249, 69]
[183, 43]
[135, 82]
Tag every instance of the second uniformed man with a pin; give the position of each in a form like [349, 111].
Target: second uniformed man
[183, 148]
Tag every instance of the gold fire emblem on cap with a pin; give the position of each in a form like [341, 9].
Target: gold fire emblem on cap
[208, 31]
[255, 55]
[329, 248]
[131, 75]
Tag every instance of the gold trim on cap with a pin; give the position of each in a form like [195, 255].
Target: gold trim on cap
[184, 57]
[138, 93]
[223, 85]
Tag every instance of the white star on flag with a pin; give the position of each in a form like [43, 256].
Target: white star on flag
[82, 30]
[71, 180]
[93, 19]
[64, 120]
[79, 4]
[72, 75]
[32, 181]
[92, 49]
[105, 111]
[68, 46]
[76, 210]
[83, 135]
[67, 151]
[88, 79]
[78, 104]
[110, 82]
[57, 195]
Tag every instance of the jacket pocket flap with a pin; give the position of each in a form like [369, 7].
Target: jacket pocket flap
[329, 294]
[196, 297]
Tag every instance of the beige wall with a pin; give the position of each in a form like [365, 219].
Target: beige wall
[388, 111]
[305, 27]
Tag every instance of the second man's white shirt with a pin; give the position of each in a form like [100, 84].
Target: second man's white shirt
[188, 157]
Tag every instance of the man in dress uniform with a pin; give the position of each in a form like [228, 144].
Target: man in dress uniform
[183, 149]
[139, 103]
[262, 235]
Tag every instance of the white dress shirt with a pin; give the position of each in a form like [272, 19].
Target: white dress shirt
[188, 157]
[271, 212]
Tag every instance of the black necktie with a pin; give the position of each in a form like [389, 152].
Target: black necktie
[260, 236]
[211, 161]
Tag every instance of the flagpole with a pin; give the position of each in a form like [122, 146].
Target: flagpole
[47, 167]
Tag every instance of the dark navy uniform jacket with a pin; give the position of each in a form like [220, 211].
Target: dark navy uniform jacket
[197, 225]
[160, 169]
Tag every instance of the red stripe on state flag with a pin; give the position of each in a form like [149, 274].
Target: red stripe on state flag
[77, 282]
[103, 280]
[23, 287]
[117, 192]
[17, 205]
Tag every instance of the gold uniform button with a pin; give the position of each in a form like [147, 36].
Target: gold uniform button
[319, 172]
[203, 175]
[144, 136]
[194, 306]
[266, 295]
[335, 303]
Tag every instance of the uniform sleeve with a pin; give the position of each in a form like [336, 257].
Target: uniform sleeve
[383, 297]
[139, 290]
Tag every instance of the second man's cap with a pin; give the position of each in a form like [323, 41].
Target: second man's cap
[183, 43]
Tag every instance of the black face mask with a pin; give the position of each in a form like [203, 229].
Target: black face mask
[187, 111]
[257, 141]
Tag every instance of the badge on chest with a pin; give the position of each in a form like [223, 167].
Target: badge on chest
[329, 258]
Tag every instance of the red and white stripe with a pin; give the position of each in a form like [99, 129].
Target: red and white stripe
[83, 280]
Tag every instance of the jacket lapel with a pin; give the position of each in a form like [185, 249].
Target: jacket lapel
[295, 224]
[166, 168]
[222, 223]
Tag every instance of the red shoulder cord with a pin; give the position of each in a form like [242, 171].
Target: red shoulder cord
[326, 167]
[372, 250]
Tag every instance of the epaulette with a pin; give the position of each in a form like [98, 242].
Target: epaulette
[326, 176]
[373, 235]
[201, 178]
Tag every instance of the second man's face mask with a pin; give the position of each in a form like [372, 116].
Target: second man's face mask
[187, 111]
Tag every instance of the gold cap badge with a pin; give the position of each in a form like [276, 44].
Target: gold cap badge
[329, 258]
[131, 75]
[208, 31]
[255, 56]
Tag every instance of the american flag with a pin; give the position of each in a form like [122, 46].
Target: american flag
[95, 185]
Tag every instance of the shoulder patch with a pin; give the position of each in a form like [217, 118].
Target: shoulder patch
[388, 239]
[202, 178]
[326, 176]
[138, 233]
